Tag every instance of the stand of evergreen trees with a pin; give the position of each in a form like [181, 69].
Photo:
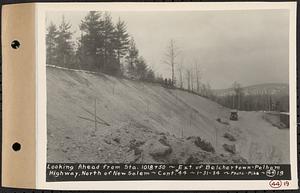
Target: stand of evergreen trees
[103, 46]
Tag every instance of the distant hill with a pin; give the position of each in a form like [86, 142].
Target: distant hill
[269, 88]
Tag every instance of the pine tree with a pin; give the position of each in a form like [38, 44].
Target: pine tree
[131, 58]
[150, 76]
[102, 45]
[141, 69]
[121, 40]
[109, 60]
[51, 39]
[64, 44]
[91, 42]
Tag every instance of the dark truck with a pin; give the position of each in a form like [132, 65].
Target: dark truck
[234, 115]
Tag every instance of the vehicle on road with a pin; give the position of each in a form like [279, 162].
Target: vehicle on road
[234, 115]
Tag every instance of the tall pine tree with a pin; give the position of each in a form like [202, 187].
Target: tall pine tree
[131, 59]
[101, 47]
[109, 59]
[121, 41]
[65, 51]
[51, 39]
[89, 50]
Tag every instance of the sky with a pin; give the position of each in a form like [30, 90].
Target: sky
[247, 46]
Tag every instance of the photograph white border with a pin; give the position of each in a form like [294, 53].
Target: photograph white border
[41, 125]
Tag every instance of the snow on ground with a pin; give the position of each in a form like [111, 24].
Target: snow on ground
[262, 142]
[147, 123]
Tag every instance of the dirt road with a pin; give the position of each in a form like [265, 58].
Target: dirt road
[260, 141]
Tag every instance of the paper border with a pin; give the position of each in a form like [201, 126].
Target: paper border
[19, 86]
[156, 184]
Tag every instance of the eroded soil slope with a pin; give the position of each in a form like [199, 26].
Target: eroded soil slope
[146, 123]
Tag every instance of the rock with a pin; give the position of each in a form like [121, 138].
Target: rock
[136, 146]
[163, 140]
[137, 151]
[116, 139]
[107, 141]
[230, 148]
[157, 149]
[223, 121]
[204, 145]
[192, 160]
[133, 144]
[174, 161]
[229, 136]
[239, 160]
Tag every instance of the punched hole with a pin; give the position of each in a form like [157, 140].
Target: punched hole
[15, 44]
[16, 146]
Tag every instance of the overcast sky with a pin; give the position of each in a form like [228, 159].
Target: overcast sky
[250, 47]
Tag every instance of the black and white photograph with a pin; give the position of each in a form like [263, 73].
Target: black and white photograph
[168, 87]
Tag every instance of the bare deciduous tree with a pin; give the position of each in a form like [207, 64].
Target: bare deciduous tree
[180, 69]
[238, 91]
[192, 79]
[188, 78]
[198, 75]
[170, 57]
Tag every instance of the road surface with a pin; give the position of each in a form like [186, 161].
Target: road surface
[261, 142]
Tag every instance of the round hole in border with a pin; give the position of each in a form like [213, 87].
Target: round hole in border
[15, 44]
[16, 146]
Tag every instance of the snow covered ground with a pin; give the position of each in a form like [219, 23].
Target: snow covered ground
[146, 123]
[262, 142]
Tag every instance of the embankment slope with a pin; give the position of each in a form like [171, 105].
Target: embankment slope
[142, 123]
